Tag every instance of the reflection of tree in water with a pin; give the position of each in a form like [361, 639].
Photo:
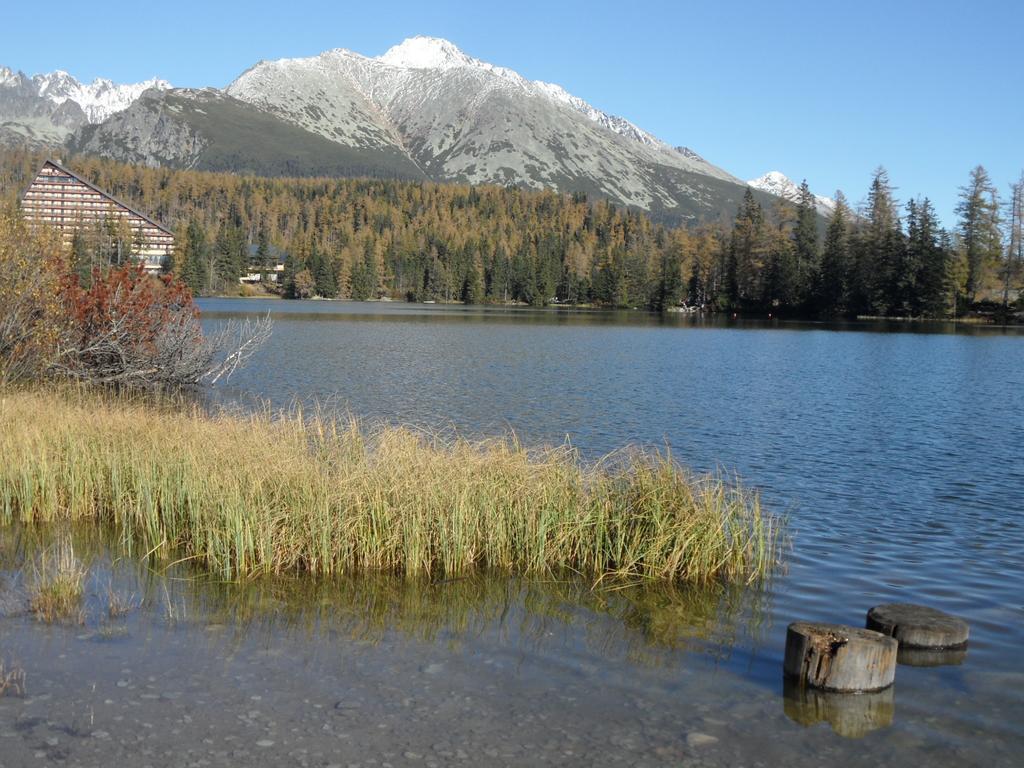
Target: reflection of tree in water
[646, 623]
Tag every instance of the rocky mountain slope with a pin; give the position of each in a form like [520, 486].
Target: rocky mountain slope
[208, 130]
[780, 185]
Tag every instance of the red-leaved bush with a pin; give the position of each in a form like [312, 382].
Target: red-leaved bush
[132, 329]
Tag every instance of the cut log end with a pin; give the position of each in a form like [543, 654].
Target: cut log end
[918, 626]
[835, 657]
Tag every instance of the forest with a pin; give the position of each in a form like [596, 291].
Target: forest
[418, 241]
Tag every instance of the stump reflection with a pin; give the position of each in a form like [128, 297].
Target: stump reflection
[852, 715]
[931, 657]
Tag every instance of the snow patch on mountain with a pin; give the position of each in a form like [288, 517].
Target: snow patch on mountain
[99, 99]
[45, 109]
[434, 53]
[614, 123]
[778, 184]
[422, 52]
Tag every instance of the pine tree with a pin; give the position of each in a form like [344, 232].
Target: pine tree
[195, 255]
[229, 258]
[980, 239]
[287, 279]
[81, 258]
[781, 283]
[669, 287]
[805, 243]
[830, 293]
[322, 268]
[472, 285]
[1013, 264]
[747, 255]
[263, 247]
[878, 249]
[364, 283]
[931, 257]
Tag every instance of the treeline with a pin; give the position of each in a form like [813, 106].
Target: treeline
[874, 261]
[360, 239]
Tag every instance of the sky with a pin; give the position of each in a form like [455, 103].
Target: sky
[826, 91]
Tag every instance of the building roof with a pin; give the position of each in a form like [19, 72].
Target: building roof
[106, 194]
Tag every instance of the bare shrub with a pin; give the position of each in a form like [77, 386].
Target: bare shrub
[132, 329]
[126, 328]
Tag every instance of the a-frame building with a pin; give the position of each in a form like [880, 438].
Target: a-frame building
[62, 199]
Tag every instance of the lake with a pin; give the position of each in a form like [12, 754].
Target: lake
[894, 450]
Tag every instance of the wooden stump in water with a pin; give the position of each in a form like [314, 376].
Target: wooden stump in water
[918, 626]
[850, 715]
[834, 657]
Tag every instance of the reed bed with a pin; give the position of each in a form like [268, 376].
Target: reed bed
[246, 495]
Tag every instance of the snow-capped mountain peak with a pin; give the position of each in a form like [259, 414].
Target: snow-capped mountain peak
[99, 99]
[778, 184]
[422, 52]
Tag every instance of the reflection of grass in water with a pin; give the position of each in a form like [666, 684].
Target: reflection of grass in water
[640, 621]
[252, 495]
[12, 680]
[57, 583]
[118, 604]
[645, 622]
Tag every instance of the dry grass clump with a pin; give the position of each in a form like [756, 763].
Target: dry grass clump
[58, 581]
[250, 495]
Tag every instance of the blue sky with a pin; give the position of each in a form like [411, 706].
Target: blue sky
[822, 90]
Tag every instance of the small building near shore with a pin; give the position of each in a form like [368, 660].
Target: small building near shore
[65, 201]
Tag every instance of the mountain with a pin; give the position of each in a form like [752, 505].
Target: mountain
[46, 109]
[460, 119]
[422, 110]
[780, 185]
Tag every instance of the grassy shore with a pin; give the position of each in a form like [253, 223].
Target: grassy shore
[253, 494]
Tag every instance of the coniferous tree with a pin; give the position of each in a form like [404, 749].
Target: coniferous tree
[81, 258]
[472, 285]
[747, 255]
[830, 293]
[877, 251]
[1013, 264]
[781, 284]
[263, 247]
[805, 243]
[229, 258]
[195, 255]
[292, 267]
[980, 240]
[669, 287]
[931, 256]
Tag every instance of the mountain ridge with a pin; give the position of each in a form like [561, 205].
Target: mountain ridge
[423, 109]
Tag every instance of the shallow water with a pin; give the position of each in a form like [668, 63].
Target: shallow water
[896, 456]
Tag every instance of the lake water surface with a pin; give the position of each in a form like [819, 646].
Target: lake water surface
[897, 454]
